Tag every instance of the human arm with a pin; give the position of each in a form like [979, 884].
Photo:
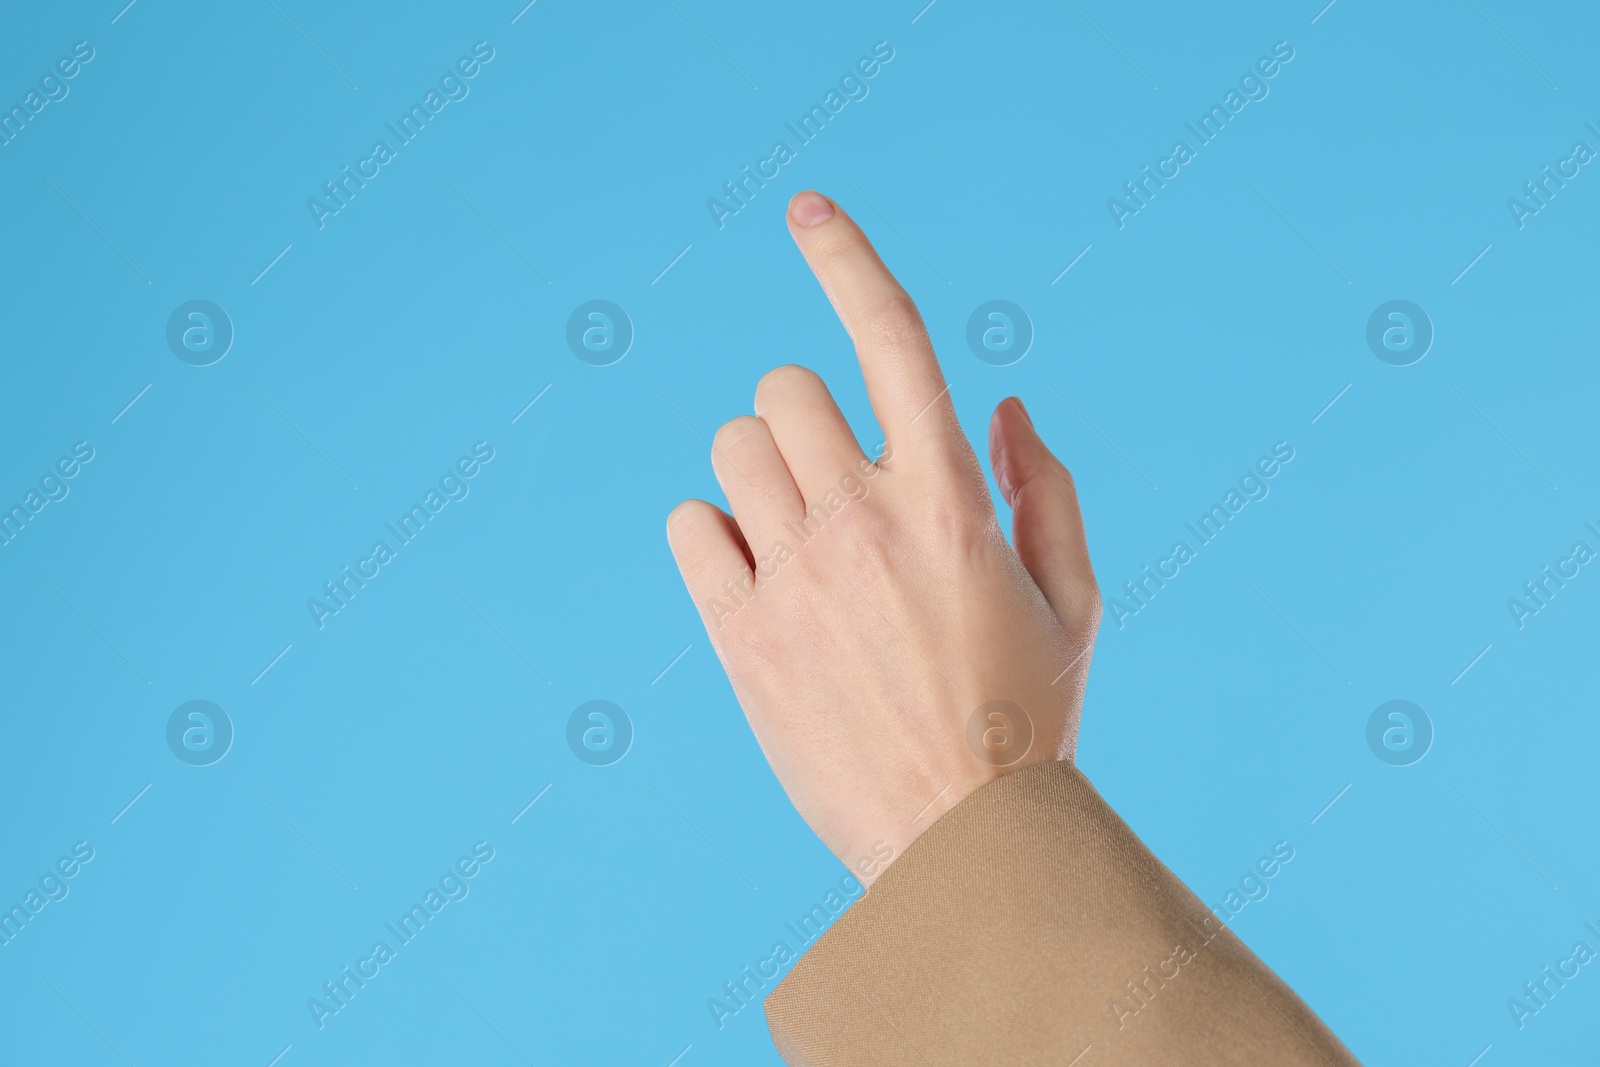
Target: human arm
[915, 681]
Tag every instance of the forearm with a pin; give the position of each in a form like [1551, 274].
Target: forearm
[1020, 927]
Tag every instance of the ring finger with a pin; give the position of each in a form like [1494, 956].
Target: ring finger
[754, 477]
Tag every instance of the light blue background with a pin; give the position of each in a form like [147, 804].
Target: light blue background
[413, 326]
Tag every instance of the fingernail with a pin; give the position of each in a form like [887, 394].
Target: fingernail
[1023, 409]
[809, 208]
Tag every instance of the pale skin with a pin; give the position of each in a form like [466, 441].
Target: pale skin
[861, 659]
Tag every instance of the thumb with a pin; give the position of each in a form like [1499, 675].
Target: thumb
[1046, 525]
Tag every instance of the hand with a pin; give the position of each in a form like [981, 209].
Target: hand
[891, 651]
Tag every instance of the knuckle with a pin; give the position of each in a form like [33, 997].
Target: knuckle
[731, 433]
[757, 646]
[832, 255]
[960, 529]
[783, 381]
[1081, 606]
[867, 541]
[894, 322]
[1049, 478]
[682, 516]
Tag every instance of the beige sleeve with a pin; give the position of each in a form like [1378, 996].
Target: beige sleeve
[1029, 925]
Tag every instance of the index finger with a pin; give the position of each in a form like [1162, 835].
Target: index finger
[904, 382]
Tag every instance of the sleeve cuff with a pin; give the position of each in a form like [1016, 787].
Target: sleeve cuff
[1031, 925]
